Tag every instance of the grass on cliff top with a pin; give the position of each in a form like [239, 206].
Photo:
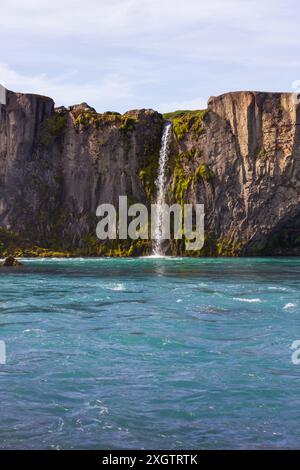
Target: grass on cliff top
[183, 113]
[86, 118]
[175, 114]
[184, 121]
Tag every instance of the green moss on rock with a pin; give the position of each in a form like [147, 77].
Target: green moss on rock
[180, 184]
[52, 128]
[148, 175]
[127, 123]
[204, 172]
[186, 121]
[16, 246]
[89, 117]
[261, 154]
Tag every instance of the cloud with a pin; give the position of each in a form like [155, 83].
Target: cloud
[196, 103]
[123, 54]
[111, 91]
[121, 17]
[218, 30]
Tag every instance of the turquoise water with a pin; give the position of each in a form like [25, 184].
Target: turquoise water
[150, 353]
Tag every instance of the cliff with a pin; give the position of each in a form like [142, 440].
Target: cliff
[240, 157]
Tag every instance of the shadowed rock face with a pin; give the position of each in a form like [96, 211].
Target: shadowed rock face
[57, 166]
[241, 159]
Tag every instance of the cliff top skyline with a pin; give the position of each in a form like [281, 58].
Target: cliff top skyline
[155, 54]
[69, 106]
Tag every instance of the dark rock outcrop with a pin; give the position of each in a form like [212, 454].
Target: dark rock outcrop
[10, 261]
[240, 157]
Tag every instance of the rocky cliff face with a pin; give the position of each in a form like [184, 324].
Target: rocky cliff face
[240, 157]
[247, 154]
[58, 165]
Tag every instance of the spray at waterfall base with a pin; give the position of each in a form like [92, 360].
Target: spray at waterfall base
[165, 223]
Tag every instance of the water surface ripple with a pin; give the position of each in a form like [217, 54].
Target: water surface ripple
[150, 353]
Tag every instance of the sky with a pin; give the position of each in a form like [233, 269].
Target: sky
[118, 55]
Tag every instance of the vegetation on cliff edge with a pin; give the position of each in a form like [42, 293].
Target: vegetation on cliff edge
[52, 128]
[89, 117]
[185, 121]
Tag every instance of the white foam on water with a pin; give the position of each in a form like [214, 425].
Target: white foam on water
[289, 305]
[117, 287]
[161, 257]
[282, 289]
[247, 300]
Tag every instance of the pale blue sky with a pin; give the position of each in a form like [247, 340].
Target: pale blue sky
[161, 54]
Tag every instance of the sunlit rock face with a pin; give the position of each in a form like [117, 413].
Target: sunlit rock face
[240, 158]
[250, 143]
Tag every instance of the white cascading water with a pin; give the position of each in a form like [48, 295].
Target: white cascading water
[160, 185]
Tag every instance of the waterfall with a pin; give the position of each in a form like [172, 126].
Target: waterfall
[160, 186]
